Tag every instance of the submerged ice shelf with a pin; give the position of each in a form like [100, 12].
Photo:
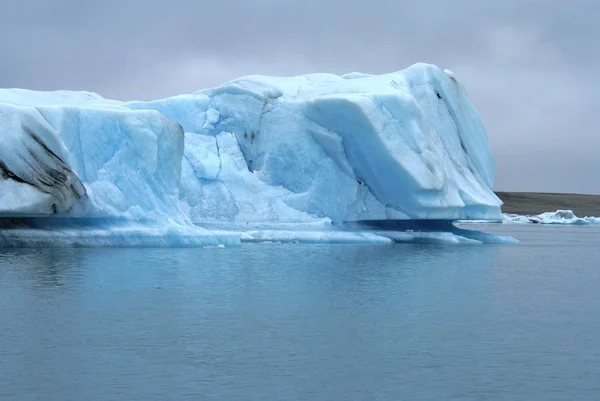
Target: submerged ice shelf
[316, 150]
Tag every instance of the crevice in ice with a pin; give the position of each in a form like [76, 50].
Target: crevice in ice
[252, 135]
[220, 159]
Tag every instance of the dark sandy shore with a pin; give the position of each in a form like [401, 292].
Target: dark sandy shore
[531, 203]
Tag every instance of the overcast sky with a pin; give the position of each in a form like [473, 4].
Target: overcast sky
[529, 66]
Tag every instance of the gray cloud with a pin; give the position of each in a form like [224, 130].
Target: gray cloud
[527, 65]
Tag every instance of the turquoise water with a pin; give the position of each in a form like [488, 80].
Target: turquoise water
[298, 322]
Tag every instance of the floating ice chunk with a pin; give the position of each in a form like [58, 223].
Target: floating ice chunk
[566, 217]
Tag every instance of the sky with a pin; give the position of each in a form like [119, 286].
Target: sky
[528, 65]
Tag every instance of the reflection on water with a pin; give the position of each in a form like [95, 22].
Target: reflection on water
[425, 322]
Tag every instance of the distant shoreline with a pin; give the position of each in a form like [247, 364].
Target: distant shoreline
[532, 203]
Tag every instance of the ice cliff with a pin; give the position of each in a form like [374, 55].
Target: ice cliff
[257, 152]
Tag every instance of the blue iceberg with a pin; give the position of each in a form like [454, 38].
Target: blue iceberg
[313, 158]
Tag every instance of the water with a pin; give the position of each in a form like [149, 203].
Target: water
[294, 322]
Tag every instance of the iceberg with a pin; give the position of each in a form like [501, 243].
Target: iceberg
[255, 159]
[406, 145]
[560, 217]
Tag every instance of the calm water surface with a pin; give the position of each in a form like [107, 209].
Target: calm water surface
[306, 322]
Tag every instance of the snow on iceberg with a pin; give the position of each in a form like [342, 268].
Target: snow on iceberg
[318, 150]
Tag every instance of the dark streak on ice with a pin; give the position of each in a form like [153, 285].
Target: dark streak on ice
[6, 173]
[49, 174]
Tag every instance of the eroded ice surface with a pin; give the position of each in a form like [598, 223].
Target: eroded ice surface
[316, 149]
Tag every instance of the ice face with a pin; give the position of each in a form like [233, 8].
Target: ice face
[407, 145]
[259, 150]
[92, 161]
[102, 175]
